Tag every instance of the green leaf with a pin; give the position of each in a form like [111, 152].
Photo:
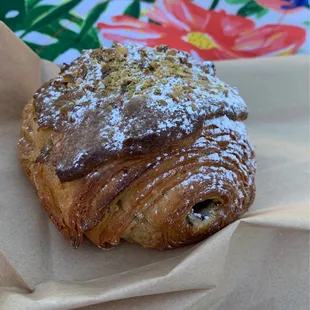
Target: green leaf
[7, 6]
[307, 23]
[41, 10]
[69, 36]
[66, 40]
[32, 16]
[261, 13]
[74, 18]
[56, 30]
[251, 8]
[133, 9]
[32, 3]
[56, 13]
[92, 17]
[62, 35]
[148, 1]
[92, 34]
[214, 4]
[35, 14]
[51, 51]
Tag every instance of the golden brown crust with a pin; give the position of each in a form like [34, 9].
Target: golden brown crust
[114, 103]
[153, 190]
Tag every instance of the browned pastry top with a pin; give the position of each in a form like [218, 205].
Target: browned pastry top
[111, 103]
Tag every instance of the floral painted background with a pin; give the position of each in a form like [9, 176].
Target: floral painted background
[219, 29]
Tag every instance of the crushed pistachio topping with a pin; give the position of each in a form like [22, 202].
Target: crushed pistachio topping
[131, 92]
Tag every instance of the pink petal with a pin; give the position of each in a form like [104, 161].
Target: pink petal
[161, 17]
[271, 39]
[188, 12]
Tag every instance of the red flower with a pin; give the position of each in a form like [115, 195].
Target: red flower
[203, 33]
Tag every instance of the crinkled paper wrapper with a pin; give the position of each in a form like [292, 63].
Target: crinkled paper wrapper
[259, 262]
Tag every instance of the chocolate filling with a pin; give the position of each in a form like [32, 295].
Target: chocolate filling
[201, 211]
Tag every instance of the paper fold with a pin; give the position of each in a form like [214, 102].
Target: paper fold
[258, 262]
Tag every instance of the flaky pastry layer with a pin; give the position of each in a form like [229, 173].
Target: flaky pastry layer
[175, 168]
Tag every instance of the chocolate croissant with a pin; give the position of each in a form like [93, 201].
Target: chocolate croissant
[142, 144]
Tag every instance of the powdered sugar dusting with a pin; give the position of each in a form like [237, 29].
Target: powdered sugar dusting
[219, 169]
[132, 92]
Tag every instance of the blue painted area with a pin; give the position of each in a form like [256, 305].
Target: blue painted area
[293, 4]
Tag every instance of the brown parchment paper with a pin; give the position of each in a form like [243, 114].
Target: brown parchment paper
[259, 262]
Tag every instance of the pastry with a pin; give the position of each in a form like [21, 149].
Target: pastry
[137, 143]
